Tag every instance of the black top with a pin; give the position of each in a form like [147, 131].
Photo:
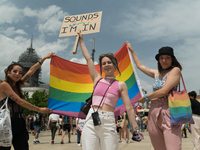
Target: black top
[38, 122]
[13, 106]
[195, 106]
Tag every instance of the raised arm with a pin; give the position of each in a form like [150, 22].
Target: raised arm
[129, 108]
[7, 90]
[173, 79]
[32, 70]
[93, 72]
[140, 66]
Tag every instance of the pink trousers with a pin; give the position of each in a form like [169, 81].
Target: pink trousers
[163, 135]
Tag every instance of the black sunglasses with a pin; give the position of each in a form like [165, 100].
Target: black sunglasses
[16, 63]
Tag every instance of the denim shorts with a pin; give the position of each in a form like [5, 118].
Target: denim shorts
[38, 128]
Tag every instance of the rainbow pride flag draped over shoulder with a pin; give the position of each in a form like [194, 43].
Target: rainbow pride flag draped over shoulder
[71, 84]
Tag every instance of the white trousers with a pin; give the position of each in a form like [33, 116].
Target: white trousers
[103, 136]
[195, 129]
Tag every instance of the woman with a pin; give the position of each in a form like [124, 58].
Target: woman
[66, 122]
[125, 127]
[79, 127]
[104, 135]
[53, 119]
[163, 135]
[11, 89]
[119, 126]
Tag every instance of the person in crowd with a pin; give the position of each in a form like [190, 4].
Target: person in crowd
[105, 135]
[162, 134]
[38, 121]
[119, 125]
[66, 122]
[60, 127]
[195, 128]
[79, 128]
[125, 127]
[11, 89]
[53, 119]
[73, 125]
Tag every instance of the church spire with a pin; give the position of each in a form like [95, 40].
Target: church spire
[31, 42]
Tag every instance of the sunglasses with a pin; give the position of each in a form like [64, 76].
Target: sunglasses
[108, 54]
[13, 62]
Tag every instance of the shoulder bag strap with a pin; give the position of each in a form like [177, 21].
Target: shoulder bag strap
[5, 104]
[104, 95]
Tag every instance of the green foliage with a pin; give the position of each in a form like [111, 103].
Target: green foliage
[39, 98]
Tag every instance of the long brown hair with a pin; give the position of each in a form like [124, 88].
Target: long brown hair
[175, 63]
[19, 84]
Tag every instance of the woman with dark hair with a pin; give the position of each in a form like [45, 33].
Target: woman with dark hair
[11, 89]
[100, 128]
[163, 135]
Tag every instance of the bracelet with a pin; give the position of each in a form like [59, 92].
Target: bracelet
[145, 96]
[40, 61]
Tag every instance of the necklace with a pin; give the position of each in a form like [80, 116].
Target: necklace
[110, 77]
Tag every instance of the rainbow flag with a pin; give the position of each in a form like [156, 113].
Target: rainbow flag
[71, 84]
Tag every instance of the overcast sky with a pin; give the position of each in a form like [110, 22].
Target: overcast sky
[147, 25]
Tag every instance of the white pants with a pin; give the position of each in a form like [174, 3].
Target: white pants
[103, 136]
[195, 129]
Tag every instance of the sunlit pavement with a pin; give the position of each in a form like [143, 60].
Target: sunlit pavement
[45, 143]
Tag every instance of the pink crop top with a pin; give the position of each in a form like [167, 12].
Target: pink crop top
[112, 95]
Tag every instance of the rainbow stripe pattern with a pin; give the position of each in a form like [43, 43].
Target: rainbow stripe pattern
[180, 108]
[71, 84]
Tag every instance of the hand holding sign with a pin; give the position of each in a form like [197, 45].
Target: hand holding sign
[85, 23]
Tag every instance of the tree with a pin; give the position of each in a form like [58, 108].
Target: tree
[39, 98]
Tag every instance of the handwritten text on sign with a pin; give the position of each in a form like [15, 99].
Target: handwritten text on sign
[86, 23]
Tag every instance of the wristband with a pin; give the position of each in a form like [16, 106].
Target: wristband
[40, 61]
[145, 96]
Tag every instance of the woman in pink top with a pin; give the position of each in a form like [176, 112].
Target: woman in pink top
[104, 136]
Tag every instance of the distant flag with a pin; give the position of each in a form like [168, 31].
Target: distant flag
[71, 84]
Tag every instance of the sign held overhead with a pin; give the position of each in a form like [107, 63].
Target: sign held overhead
[85, 23]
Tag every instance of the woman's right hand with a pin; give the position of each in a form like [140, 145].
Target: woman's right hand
[45, 110]
[80, 36]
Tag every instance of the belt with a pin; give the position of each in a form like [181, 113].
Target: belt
[17, 115]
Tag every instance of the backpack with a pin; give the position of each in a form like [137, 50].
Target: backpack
[36, 118]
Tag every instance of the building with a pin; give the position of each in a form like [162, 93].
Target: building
[28, 59]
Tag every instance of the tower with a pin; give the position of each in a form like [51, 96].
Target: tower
[28, 59]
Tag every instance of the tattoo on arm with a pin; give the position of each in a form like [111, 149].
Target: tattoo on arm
[12, 97]
[26, 77]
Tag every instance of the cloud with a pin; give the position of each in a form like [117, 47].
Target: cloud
[11, 31]
[170, 20]
[9, 13]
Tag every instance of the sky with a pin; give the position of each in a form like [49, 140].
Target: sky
[147, 25]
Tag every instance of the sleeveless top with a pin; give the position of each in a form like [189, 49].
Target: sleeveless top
[112, 95]
[158, 84]
[13, 106]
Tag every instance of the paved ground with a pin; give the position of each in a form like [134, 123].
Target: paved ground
[45, 143]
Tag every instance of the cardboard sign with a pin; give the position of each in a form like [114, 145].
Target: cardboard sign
[86, 23]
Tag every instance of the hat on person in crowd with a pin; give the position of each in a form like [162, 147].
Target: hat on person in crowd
[165, 51]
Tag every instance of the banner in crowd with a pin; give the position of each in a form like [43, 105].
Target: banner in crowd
[71, 84]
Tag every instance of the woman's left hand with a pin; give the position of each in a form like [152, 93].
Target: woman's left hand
[142, 100]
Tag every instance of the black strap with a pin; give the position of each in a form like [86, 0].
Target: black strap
[103, 95]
